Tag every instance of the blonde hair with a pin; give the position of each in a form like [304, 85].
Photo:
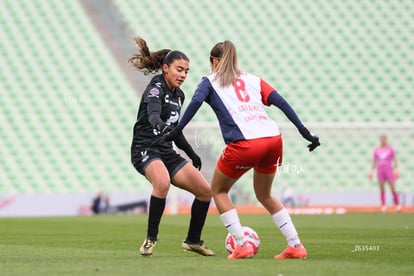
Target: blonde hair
[227, 70]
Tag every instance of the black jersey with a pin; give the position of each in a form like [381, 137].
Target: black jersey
[170, 101]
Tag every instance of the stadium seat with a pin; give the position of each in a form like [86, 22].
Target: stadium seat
[346, 68]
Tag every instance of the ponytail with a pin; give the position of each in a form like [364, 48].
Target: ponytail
[151, 62]
[227, 70]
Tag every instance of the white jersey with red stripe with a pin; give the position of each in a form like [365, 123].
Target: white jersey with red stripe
[244, 102]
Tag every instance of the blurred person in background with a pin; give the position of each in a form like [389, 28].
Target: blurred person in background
[100, 204]
[158, 113]
[385, 162]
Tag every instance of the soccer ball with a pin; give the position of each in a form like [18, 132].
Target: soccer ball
[251, 236]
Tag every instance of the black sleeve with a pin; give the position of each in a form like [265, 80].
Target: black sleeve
[183, 144]
[277, 100]
[199, 97]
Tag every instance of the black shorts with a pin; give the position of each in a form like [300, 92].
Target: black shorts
[172, 160]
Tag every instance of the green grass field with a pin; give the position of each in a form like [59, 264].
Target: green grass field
[351, 244]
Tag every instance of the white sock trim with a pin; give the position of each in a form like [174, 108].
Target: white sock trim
[284, 222]
[231, 221]
[229, 217]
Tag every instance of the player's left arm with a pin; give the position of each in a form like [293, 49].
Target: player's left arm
[395, 165]
[182, 143]
[271, 96]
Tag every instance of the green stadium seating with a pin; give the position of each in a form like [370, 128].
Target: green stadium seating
[68, 109]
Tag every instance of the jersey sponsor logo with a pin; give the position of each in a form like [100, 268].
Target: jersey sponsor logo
[241, 167]
[383, 155]
[251, 108]
[155, 92]
[255, 117]
[171, 101]
[174, 116]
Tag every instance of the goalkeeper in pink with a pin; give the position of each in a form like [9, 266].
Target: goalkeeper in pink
[385, 161]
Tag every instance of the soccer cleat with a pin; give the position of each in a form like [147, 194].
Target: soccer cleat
[198, 247]
[298, 252]
[147, 247]
[245, 251]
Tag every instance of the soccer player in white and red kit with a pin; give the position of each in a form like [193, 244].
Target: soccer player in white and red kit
[385, 161]
[253, 140]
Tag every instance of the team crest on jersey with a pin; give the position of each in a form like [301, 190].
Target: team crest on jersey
[155, 92]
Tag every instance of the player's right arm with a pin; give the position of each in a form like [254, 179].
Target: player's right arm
[154, 107]
[373, 166]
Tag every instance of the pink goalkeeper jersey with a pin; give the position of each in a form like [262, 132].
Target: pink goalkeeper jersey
[384, 156]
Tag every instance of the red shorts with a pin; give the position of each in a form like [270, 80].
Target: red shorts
[262, 154]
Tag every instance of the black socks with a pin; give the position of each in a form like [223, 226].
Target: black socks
[156, 208]
[199, 211]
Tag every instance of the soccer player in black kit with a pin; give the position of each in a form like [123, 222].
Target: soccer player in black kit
[158, 113]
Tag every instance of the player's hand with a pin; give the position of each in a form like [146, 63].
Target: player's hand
[310, 137]
[172, 134]
[167, 134]
[182, 143]
[370, 175]
[396, 174]
[163, 128]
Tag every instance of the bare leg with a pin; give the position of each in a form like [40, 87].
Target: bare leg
[382, 195]
[190, 179]
[220, 187]
[395, 195]
[157, 174]
[382, 192]
[262, 188]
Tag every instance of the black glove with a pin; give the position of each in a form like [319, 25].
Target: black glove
[168, 135]
[182, 143]
[196, 161]
[310, 137]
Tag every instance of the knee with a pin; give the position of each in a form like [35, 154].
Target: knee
[161, 188]
[263, 197]
[204, 194]
[219, 192]
[214, 191]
